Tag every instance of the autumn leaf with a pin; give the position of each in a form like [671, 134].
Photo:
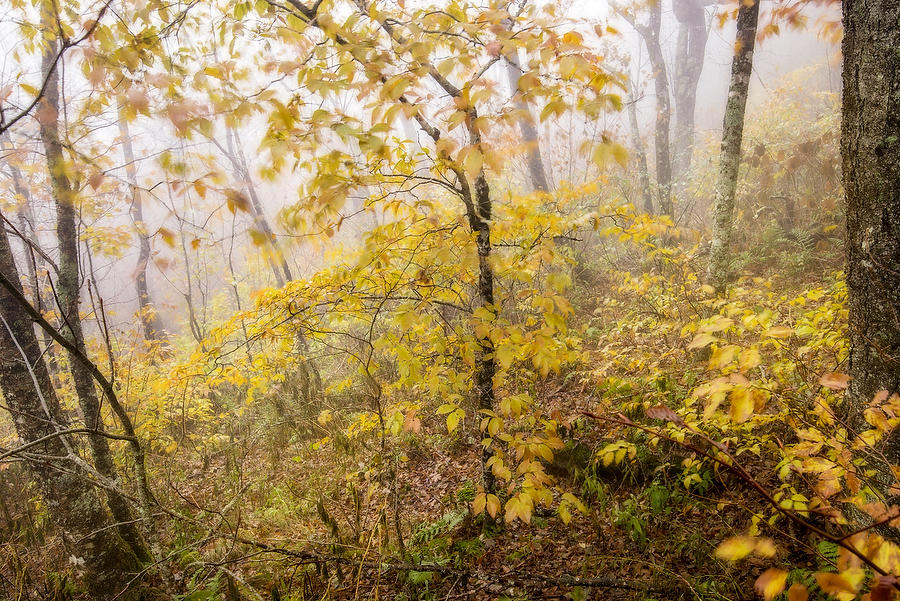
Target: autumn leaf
[735, 548]
[257, 237]
[664, 413]
[702, 340]
[741, 405]
[137, 99]
[237, 200]
[493, 505]
[833, 584]
[778, 332]
[835, 381]
[167, 235]
[883, 589]
[798, 592]
[771, 583]
[479, 503]
[96, 179]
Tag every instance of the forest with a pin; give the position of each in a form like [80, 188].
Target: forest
[432, 300]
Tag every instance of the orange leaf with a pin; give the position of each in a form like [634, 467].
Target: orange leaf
[771, 583]
[798, 592]
[833, 584]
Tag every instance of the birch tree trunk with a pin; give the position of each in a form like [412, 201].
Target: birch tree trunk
[870, 148]
[732, 136]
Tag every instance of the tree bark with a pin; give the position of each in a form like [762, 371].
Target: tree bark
[640, 151]
[277, 259]
[108, 562]
[650, 34]
[536, 171]
[36, 262]
[870, 149]
[68, 286]
[732, 136]
[691, 52]
[149, 318]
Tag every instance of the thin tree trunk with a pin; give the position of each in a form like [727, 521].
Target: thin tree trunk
[486, 365]
[69, 291]
[536, 172]
[650, 34]
[640, 152]
[870, 148]
[36, 262]
[692, 37]
[732, 136]
[108, 562]
[242, 170]
[148, 315]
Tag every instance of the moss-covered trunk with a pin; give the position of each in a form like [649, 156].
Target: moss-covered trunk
[870, 148]
[732, 136]
[74, 505]
[68, 288]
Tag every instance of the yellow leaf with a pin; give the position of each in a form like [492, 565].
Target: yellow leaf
[741, 405]
[479, 503]
[722, 356]
[778, 332]
[765, 547]
[30, 89]
[735, 548]
[167, 235]
[257, 237]
[771, 583]
[833, 584]
[453, 420]
[493, 505]
[473, 163]
[702, 340]
[749, 359]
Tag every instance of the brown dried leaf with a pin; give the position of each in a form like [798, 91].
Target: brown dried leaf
[835, 381]
[664, 413]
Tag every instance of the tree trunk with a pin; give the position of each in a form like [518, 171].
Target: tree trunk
[486, 365]
[68, 286]
[108, 562]
[148, 316]
[732, 135]
[692, 36]
[242, 171]
[870, 148]
[536, 171]
[36, 263]
[650, 33]
[640, 151]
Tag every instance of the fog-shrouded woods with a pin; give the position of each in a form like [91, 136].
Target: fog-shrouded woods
[419, 300]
